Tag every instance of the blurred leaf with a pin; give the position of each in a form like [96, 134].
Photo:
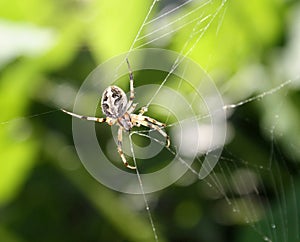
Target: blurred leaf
[115, 26]
[7, 236]
[35, 11]
[132, 226]
[17, 83]
[17, 152]
[284, 120]
[237, 30]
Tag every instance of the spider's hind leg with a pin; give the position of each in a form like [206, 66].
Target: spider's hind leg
[120, 151]
[159, 129]
[152, 124]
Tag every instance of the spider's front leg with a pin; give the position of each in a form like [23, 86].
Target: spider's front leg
[120, 151]
[95, 119]
[131, 98]
[132, 108]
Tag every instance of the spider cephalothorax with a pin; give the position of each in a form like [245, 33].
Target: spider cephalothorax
[118, 110]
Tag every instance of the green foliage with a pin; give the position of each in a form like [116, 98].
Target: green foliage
[85, 32]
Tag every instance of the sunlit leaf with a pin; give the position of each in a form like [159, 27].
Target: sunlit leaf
[115, 25]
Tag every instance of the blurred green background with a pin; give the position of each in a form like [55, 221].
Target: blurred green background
[48, 48]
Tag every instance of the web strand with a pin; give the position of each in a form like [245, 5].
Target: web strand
[257, 97]
[168, 12]
[142, 26]
[29, 117]
[175, 21]
[142, 189]
[182, 55]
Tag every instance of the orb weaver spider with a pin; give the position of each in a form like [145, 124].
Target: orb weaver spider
[119, 111]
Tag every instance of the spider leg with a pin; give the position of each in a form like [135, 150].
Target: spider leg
[95, 119]
[163, 133]
[131, 108]
[139, 118]
[120, 131]
[154, 121]
[143, 110]
[131, 98]
[152, 124]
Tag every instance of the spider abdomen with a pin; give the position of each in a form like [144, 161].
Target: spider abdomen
[114, 102]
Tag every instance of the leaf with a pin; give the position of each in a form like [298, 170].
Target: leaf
[114, 26]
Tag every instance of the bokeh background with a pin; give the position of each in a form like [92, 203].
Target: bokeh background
[48, 48]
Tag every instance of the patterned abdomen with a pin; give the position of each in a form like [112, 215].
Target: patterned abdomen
[114, 102]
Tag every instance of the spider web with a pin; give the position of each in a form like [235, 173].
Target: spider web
[238, 184]
[270, 210]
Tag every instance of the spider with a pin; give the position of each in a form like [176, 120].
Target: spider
[119, 111]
